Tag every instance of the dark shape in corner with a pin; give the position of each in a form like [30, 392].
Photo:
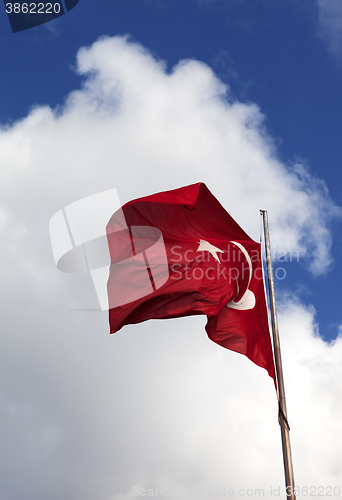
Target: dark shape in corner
[70, 4]
[23, 14]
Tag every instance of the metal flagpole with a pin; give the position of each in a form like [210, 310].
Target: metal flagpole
[284, 426]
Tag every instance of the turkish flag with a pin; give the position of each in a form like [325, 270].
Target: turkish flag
[179, 253]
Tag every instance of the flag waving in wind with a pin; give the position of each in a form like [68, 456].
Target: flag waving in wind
[179, 253]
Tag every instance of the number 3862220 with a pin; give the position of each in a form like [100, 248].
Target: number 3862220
[33, 8]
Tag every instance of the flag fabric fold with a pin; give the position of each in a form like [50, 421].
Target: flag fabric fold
[179, 253]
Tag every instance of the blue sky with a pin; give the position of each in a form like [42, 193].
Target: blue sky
[274, 55]
[254, 111]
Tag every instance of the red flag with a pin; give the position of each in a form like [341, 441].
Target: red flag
[179, 253]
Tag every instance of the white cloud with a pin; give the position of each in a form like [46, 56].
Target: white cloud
[330, 24]
[138, 128]
[87, 415]
[314, 368]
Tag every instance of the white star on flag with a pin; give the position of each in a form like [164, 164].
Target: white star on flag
[205, 246]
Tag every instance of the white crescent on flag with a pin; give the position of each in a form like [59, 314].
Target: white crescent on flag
[247, 301]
